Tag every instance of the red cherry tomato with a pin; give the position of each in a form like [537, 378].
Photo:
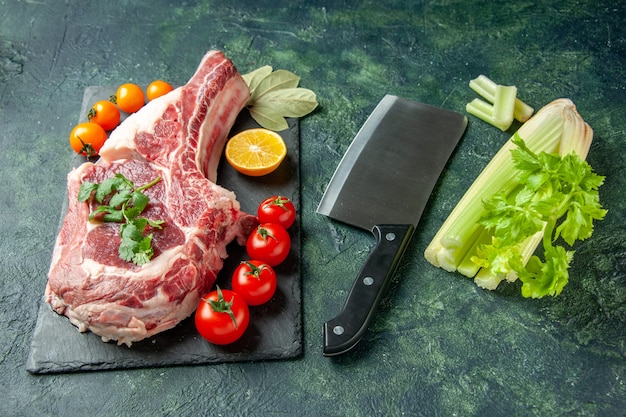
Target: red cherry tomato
[105, 113]
[269, 243]
[277, 209]
[87, 138]
[222, 317]
[255, 281]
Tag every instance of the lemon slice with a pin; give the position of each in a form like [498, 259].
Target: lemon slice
[255, 152]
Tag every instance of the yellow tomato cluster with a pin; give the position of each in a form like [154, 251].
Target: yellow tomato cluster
[87, 138]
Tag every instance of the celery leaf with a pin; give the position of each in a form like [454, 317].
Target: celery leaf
[559, 195]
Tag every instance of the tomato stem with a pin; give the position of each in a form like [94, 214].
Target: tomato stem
[87, 148]
[255, 271]
[264, 233]
[222, 306]
[279, 201]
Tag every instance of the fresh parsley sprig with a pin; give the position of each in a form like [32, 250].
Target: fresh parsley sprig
[124, 204]
[559, 195]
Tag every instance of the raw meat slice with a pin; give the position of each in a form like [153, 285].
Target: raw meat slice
[178, 137]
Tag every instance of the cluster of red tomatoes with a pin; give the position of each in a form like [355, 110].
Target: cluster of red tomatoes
[87, 138]
[223, 315]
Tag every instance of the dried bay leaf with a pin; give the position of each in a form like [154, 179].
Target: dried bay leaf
[277, 80]
[275, 95]
[289, 102]
[269, 118]
[255, 77]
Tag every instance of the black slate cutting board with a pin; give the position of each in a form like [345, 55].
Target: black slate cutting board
[275, 330]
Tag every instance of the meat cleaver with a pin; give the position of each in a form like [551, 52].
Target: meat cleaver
[382, 184]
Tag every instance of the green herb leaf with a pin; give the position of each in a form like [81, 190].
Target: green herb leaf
[140, 200]
[110, 185]
[120, 198]
[135, 246]
[500, 258]
[131, 213]
[129, 235]
[125, 205]
[156, 224]
[85, 190]
[512, 222]
[111, 214]
[145, 251]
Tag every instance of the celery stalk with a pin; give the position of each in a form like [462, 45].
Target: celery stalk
[557, 127]
[467, 267]
[484, 279]
[460, 229]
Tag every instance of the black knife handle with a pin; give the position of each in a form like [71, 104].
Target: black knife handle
[344, 331]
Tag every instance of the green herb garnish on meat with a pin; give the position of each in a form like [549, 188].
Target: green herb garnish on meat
[120, 202]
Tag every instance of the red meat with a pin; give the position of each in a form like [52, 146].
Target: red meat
[178, 137]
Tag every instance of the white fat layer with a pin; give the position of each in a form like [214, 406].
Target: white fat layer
[214, 122]
[121, 143]
[135, 329]
[153, 268]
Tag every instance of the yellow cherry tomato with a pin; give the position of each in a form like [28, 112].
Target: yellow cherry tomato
[130, 97]
[87, 138]
[158, 88]
[105, 113]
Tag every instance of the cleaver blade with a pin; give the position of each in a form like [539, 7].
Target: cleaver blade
[382, 185]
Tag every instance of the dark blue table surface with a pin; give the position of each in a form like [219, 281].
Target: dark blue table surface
[439, 346]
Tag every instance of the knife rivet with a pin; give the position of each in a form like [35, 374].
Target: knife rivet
[338, 330]
[368, 280]
[390, 236]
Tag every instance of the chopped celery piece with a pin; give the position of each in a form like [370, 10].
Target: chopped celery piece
[498, 114]
[480, 109]
[503, 104]
[486, 88]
